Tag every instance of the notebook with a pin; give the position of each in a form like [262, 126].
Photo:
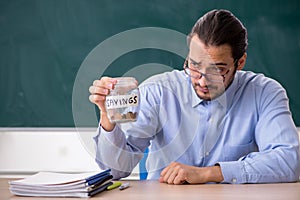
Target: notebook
[52, 184]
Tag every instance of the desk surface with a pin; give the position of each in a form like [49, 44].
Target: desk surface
[155, 190]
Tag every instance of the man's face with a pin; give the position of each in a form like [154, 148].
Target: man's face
[209, 60]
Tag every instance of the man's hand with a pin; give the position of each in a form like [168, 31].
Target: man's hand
[99, 90]
[177, 173]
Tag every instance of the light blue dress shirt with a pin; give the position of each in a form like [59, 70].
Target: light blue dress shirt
[248, 131]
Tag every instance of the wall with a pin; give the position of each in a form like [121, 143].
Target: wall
[43, 44]
[27, 151]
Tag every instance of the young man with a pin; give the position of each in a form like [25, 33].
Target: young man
[210, 122]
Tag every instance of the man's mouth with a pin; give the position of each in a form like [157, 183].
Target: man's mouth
[203, 89]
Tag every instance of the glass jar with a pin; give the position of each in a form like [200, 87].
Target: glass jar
[122, 103]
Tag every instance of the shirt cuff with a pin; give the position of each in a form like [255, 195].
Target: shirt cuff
[233, 172]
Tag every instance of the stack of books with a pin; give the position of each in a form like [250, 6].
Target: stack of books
[51, 184]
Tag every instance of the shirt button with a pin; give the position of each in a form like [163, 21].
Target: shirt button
[207, 153]
[234, 180]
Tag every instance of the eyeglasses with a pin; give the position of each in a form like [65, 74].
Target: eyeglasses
[214, 73]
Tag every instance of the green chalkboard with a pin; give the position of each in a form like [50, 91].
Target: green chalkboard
[44, 44]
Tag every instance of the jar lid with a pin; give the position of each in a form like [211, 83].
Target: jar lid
[130, 81]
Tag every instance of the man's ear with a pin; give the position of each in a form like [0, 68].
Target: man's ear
[242, 62]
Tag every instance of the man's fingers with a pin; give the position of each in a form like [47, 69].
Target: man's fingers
[172, 176]
[180, 177]
[96, 98]
[174, 173]
[169, 173]
[105, 82]
[98, 90]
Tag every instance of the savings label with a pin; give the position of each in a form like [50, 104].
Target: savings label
[121, 101]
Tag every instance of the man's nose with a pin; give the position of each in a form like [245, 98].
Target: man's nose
[202, 81]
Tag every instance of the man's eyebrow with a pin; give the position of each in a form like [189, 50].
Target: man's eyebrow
[220, 63]
[198, 63]
[212, 64]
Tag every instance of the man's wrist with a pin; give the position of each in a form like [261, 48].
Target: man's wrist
[214, 174]
[105, 122]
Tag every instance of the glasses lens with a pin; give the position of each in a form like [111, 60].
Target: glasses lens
[208, 77]
[214, 77]
[192, 73]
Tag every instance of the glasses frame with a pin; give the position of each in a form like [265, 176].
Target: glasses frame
[200, 74]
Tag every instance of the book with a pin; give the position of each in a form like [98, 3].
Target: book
[52, 184]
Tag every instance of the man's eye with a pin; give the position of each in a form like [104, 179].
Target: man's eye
[222, 70]
[216, 70]
[195, 63]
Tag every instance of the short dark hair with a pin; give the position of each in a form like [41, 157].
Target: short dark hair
[219, 27]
